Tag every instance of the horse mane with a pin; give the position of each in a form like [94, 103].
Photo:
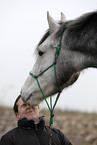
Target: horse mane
[77, 33]
[80, 34]
[79, 23]
[74, 25]
[89, 19]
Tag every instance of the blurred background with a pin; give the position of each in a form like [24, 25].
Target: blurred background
[22, 24]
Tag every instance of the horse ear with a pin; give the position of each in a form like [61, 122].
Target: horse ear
[63, 18]
[53, 25]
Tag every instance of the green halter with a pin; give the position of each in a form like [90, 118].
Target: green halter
[36, 77]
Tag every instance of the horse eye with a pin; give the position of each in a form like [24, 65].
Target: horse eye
[40, 53]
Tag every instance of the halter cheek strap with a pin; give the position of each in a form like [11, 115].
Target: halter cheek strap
[51, 108]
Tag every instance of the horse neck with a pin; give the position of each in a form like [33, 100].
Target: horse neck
[77, 60]
[81, 47]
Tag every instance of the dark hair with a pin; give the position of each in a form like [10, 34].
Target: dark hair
[15, 107]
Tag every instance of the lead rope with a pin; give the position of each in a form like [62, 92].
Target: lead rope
[36, 77]
[50, 139]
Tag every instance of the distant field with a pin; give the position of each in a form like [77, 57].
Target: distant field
[80, 128]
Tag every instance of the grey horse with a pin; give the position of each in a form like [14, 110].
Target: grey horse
[78, 51]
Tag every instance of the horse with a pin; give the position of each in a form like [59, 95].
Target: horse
[73, 44]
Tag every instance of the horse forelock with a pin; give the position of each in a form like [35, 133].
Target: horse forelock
[61, 29]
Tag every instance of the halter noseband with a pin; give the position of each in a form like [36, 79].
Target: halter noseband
[58, 47]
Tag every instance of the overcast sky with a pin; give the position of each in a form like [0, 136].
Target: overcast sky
[22, 24]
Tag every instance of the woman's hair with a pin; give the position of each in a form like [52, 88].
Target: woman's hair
[15, 107]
